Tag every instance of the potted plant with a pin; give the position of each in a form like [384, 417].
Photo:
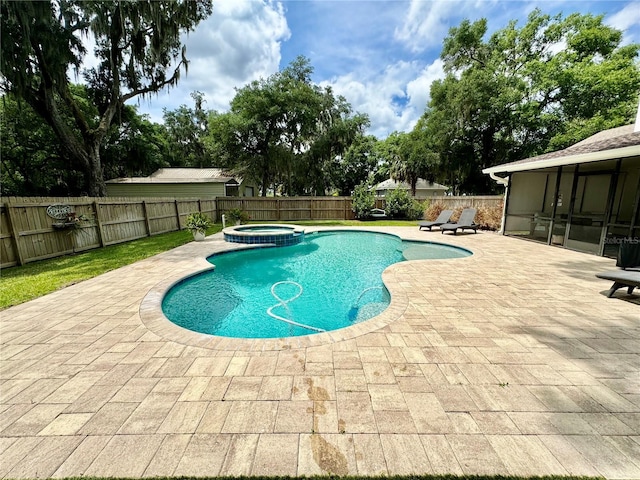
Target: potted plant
[237, 216]
[197, 223]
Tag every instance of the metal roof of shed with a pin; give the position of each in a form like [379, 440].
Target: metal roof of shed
[181, 175]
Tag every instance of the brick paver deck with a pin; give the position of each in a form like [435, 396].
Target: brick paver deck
[511, 361]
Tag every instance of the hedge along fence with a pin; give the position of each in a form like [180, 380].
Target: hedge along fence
[28, 233]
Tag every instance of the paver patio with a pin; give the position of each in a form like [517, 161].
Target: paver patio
[511, 361]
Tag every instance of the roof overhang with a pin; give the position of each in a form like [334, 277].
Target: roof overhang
[160, 181]
[624, 152]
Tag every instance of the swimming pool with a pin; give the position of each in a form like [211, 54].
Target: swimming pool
[329, 281]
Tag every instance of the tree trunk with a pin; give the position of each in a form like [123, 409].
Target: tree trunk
[95, 179]
[265, 181]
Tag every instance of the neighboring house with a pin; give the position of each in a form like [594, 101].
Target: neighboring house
[181, 182]
[423, 188]
[585, 197]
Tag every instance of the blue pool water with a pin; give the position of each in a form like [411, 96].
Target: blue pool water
[331, 280]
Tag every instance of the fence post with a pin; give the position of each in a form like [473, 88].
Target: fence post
[146, 217]
[96, 209]
[178, 214]
[14, 235]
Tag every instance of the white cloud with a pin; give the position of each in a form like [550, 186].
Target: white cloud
[426, 23]
[394, 99]
[625, 19]
[418, 89]
[238, 43]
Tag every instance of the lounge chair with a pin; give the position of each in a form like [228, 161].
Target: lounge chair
[466, 222]
[444, 217]
[629, 273]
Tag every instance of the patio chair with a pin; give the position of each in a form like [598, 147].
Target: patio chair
[629, 274]
[444, 217]
[466, 222]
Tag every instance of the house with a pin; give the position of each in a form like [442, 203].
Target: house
[424, 188]
[585, 197]
[181, 182]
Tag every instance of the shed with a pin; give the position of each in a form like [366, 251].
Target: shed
[181, 182]
[585, 197]
[424, 188]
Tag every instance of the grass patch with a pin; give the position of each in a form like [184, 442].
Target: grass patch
[33, 280]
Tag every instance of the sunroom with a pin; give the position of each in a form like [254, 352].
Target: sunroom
[584, 198]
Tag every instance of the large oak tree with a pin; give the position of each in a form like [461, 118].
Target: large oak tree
[138, 47]
[285, 132]
[524, 91]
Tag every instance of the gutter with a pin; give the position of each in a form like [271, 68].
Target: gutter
[501, 180]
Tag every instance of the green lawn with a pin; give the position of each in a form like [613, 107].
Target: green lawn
[24, 283]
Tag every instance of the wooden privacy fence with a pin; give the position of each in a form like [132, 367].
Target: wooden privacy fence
[269, 209]
[28, 233]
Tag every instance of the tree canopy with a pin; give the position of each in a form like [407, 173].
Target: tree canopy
[285, 132]
[524, 91]
[137, 44]
[35, 163]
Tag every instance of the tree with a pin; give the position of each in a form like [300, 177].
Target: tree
[34, 162]
[134, 147]
[409, 156]
[358, 164]
[266, 125]
[516, 94]
[335, 131]
[185, 130]
[30, 155]
[283, 132]
[418, 157]
[136, 45]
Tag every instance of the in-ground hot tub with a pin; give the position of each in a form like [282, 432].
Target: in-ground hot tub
[271, 233]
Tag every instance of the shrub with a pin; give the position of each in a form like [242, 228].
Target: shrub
[399, 204]
[362, 201]
[237, 215]
[433, 210]
[197, 222]
[489, 217]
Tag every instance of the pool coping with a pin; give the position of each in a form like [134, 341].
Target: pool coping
[154, 319]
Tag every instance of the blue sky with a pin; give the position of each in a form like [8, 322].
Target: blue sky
[381, 55]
